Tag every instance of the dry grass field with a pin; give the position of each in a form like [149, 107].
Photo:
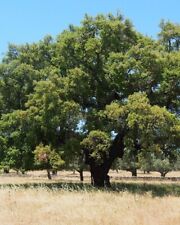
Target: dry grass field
[69, 176]
[43, 207]
[32, 199]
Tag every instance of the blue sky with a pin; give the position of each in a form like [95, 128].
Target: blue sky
[23, 21]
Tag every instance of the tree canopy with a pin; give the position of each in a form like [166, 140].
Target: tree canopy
[101, 89]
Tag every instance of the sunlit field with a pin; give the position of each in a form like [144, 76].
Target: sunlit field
[44, 207]
[34, 200]
[70, 176]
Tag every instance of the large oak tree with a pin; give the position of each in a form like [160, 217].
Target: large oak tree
[103, 85]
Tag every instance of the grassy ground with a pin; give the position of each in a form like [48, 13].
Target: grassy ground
[34, 200]
[69, 176]
[57, 207]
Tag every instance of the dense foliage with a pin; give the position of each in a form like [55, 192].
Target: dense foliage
[102, 90]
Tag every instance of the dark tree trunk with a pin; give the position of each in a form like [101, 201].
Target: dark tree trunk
[80, 171]
[134, 172]
[99, 173]
[137, 148]
[54, 172]
[163, 174]
[81, 175]
[49, 174]
[6, 170]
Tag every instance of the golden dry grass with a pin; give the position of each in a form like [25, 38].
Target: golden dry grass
[43, 207]
[55, 206]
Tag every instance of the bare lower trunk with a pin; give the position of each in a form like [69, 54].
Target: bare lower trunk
[6, 170]
[134, 172]
[98, 175]
[163, 174]
[54, 172]
[49, 174]
[80, 171]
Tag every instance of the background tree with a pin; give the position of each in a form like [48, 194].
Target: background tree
[170, 35]
[150, 130]
[162, 166]
[17, 143]
[47, 158]
[73, 155]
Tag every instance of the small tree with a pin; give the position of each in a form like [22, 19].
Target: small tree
[162, 166]
[146, 160]
[117, 165]
[130, 162]
[47, 158]
[13, 159]
[73, 156]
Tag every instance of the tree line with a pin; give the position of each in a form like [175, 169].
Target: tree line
[98, 92]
